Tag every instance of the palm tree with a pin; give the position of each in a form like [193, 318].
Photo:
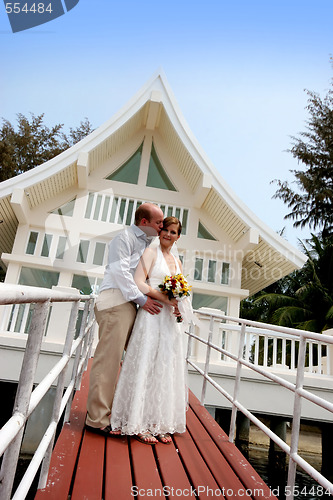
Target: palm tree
[303, 299]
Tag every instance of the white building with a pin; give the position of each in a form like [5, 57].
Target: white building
[57, 219]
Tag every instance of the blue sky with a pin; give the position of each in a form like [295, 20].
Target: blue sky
[238, 71]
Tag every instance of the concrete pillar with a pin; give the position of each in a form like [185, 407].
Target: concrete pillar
[222, 417]
[276, 456]
[327, 450]
[242, 433]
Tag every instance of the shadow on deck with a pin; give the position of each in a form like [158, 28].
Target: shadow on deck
[199, 463]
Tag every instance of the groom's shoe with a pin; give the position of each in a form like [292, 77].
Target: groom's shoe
[104, 431]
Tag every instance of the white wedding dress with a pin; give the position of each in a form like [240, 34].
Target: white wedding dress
[151, 393]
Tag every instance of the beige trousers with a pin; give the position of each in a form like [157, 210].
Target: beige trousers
[115, 319]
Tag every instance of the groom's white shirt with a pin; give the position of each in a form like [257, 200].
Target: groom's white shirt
[125, 251]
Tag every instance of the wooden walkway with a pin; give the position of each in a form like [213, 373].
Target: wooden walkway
[200, 463]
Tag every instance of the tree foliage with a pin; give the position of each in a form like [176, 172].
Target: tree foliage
[304, 299]
[312, 203]
[33, 143]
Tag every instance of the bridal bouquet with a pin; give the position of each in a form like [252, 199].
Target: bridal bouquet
[175, 287]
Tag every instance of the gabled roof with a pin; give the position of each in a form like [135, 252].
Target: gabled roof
[154, 106]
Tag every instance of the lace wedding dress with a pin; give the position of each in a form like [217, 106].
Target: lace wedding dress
[151, 393]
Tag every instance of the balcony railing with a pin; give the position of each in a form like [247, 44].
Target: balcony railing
[27, 398]
[245, 330]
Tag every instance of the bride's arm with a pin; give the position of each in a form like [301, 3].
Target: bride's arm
[141, 274]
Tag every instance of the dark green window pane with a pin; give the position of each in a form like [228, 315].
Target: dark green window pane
[46, 245]
[83, 251]
[31, 246]
[121, 211]
[113, 209]
[89, 205]
[83, 283]
[198, 269]
[129, 212]
[213, 301]
[129, 171]
[99, 254]
[97, 207]
[225, 273]
[184, 221]
[204, 233]
[86, 284]
[61, 247]
[105, 208]
[211, 271]
[38, 277]
[157, 176]
[66, 209]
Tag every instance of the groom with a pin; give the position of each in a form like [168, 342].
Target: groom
[115, 312]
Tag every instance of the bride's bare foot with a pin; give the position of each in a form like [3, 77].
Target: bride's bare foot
[146, 438]
[164, 438]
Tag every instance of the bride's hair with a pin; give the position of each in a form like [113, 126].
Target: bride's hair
[172, 220]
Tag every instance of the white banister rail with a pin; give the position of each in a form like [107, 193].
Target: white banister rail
[27, 399]
[244, 327]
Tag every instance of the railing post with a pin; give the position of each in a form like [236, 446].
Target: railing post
[77, 359]
[23, 395]
[296, 422]
[89, 338]
[59, 392]
[237, 384]
[204, 383]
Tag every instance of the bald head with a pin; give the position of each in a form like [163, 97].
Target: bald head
[149, 217]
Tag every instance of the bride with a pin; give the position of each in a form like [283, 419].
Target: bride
[151, 396]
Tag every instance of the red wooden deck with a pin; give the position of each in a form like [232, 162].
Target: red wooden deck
[200, 463]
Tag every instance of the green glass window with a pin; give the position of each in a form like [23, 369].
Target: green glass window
[129, 171]
[211, 271]
[99, 254]
[105, 208]
[31, 246]
[198, 269]
[46, 245]
[90, 202]
[184, 221]
[213, 301]
[82, 253]
[97, 207]
[38, 277]
[204, 233]
[225, 273]
[86, 284]
[61, 247]
[157, 176]
[66, 209]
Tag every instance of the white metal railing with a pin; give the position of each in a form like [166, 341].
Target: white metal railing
[266, 348]
[27, 399]
[242, 359]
